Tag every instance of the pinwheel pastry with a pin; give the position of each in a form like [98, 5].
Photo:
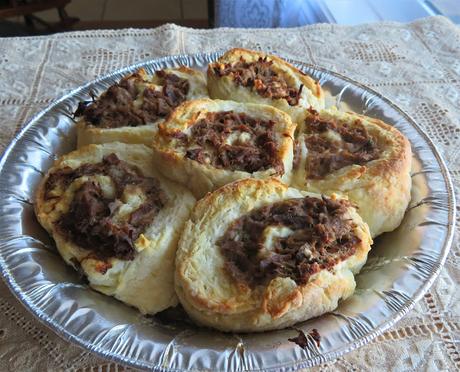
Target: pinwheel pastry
[116, 221]
[248, 76]
[205, 144]
[360, 157]
[129, 111]
[257, 255]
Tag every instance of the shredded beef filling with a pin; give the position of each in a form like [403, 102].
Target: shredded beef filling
[92, 221]
[326, 155]
[260, 77]
[321, 237]
[254, 150]
[302, 340]
[115, 108]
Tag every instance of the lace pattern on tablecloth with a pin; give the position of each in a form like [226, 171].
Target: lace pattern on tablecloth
[416, 65]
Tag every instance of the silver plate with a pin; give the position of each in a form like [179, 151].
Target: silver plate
[401, 267]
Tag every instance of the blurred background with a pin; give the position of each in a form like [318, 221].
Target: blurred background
[31, 17]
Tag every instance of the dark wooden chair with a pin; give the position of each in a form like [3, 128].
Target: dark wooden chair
[27, 8]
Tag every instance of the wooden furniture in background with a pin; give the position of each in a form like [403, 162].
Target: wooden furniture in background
[27, 8]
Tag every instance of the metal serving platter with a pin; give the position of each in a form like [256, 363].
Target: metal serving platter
[401, 266]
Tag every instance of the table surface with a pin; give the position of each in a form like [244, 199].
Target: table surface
[416, 65]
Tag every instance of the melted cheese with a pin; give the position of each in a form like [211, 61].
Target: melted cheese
[270, 235]
[238, 138]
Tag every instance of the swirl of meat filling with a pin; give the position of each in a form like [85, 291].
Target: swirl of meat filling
[205, 144]
[333, 145]
[311, 235]
[93, 220]
[249, 76]
[134, 101]
[363, 158]
[114, 218]
[260, 76]
[257, 255]
[234, 141]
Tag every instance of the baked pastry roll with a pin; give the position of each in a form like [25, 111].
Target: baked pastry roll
[205, 144]
[129, 111]
[360, 157]
[117, 221]
[248, 76]
[257, 255]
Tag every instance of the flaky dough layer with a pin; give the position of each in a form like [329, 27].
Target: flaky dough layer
[225, 88]
[212, 298]
[379, 188]
[142, 134]
[169, 154]
[146, 282]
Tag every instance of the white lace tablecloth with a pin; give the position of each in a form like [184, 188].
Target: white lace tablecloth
[416, 65]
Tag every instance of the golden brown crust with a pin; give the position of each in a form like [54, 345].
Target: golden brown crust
[224, 88]
[151, 270]
[169, 154]
[379, 188]
[236, 53]
[213, 298]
